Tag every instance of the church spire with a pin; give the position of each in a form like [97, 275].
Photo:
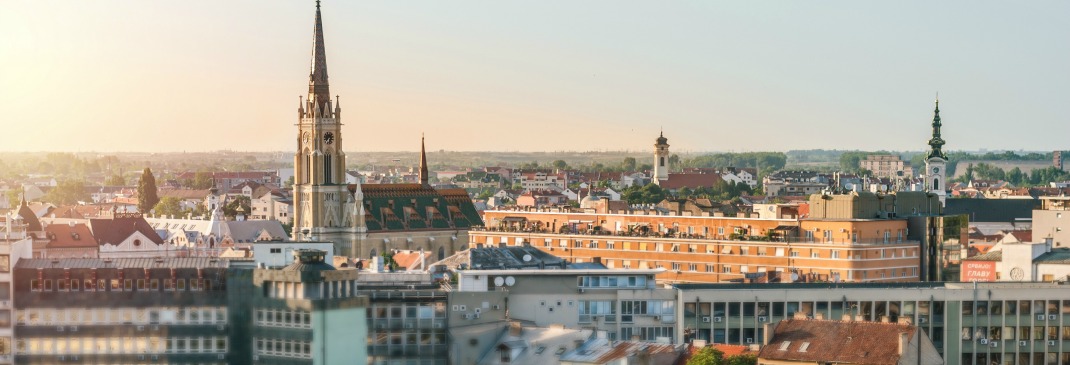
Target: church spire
[423, 162]
[318, 90]
[936, 142]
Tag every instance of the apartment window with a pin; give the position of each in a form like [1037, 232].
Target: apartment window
[611, 245]
[709, 268]
[899, 236]
[809, 236]
[744, 250]
[276, 250]
[814, 254]
[794, 253]
[779, 252]
[676, 266]
[720, 231]
[692, 267]
[835, 254]
[828, 236]
[744, 269]
[726, 269]
[887, 236]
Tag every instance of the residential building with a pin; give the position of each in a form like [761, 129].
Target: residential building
[129, 235]
[886, 166]
[1052, 219]
[71, 240]
[599, 350]
[15, 245]
[541, 180]
[1019, 261]
[542, 198]
[968, 323]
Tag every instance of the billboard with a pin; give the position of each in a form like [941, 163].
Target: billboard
[978, 271]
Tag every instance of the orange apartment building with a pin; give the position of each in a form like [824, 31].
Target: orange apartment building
[706, 249]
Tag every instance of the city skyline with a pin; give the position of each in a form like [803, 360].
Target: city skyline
[605, 78]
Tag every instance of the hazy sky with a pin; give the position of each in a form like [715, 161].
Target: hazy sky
[109, 75]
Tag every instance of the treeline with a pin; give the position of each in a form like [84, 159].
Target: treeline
[653, 194]
[1037, 177]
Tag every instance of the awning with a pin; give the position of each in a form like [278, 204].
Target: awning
[785, 228]
[726, 250]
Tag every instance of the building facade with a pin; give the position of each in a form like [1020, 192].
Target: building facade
[969, 323]
[887, 166]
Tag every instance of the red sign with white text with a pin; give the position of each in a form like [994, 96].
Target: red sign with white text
[978, 271]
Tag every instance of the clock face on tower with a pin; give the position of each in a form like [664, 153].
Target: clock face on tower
[306, 137]
[936, 170]
[328, 137]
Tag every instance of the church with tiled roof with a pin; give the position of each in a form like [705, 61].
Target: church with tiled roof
[365, 220]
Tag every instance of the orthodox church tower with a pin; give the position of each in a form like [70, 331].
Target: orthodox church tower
[936, 161]
[319, 164]
[661, 159]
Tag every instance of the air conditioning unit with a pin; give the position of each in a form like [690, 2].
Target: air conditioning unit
[1023, 343]
[750, 340]
[657, 318]
[475, 316]
[456, 308]
[717, 319]
[1051, 343]
[993, 344]
[984, 341]
[464, 308]
[582, 290]
[762, 319]
[497, 307]
[706, 319]
[478, 310]
[1040, 317]
[922, 319]
[467, 316]
[1051, 317]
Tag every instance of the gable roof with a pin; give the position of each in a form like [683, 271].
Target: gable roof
[115, 230]
[70, 236]
[399, 207]
[836, 342]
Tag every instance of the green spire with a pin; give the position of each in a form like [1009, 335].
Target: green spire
[936, 142]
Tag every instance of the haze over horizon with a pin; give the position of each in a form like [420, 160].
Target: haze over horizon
[123, 75]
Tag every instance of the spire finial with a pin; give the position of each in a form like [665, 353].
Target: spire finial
[318, 89]
[423, 161]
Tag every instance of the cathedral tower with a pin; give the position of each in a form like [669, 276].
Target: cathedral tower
[661, 159]
[319, 164]
[936, 161]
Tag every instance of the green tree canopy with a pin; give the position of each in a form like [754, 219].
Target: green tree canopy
[67, 192]
[146, 192]
[169, 206]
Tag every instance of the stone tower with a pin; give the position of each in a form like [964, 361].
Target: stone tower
[936, 161]
[661, 159]
[319, 164]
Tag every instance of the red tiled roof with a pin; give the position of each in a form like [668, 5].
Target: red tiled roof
[68, 236]
[677, 181]
[838, 342]
[1023, 236]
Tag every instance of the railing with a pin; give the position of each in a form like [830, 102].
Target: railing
[601, 233]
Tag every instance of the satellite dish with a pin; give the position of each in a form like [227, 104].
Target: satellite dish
[527, 258]
[509, 281]
[498, 281]
[794, 277]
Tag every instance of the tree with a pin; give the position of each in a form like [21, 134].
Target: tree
[560, 164]
[201, 180]
[746, 359]
[628, 164]
[707, 356]
[67, 192]
[1015, 176]
[674, 160]
[230, 210]
[146, 191]
[169, 206]
[115, 180]
[289, 183]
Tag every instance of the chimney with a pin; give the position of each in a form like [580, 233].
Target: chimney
[904, 344]
[885, 319]
[767, 333]
[799, 315]
[819, 316]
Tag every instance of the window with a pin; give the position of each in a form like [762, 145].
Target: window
[5, 263]
[835, 254]
[726, 269]
[276, 250]
[814, 254]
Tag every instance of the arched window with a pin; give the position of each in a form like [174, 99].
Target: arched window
[373, 254]
[936, 184]
[327, 168]
[661, 161]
